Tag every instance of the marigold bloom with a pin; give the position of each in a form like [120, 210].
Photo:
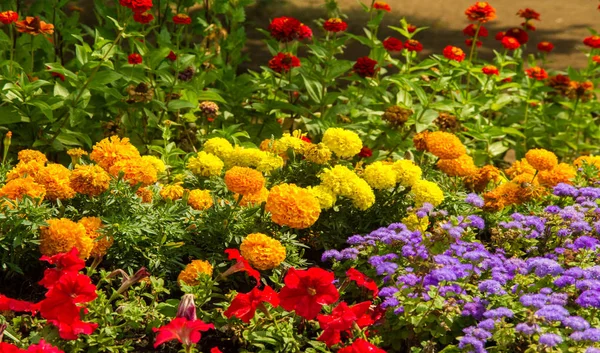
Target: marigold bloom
[471, 30]
[56, 180]
[545, 47]
[200, 199]
[454, 53]
[245, 157]
[61, 235]
[461, 167]
[562, 173]
[362, 195]
[243, 180]
[285, 29]
[110, 150]
[339, 180]
[481, 11]
[490, 70]
[365, 67]
[33, 26]
[528, 14]
[27, 156]
[262, 252]
[135, 171]
[205, 164]
[335, 25]
[479, 181]
[183, 330]
[76, 154]
[218, 146]
[520, 167]
[510, 43]
[407, 172]
[380, 176]
[383, 6]
[392, 44]
[23, 169]
[182, 19]
[587, 160]
[445, 145]
[244, 305]
[361, 346]
[413, 45]
[341, 319]
[317, 153]
[251, 200]
[101, 242]
[145, 194]
[134, 59]
[284, 62]
[420, 140]
[427, 191]
[193, 270]
[156, 162]
[325, 196]
[89, 180]
[541, 159]
[8, 17]
[344, 143]
[17, 188]
[172, 192]
[519, 34]
[143, 17]
[292, 206]
[412, 222]
[537, 73]
[306, 291]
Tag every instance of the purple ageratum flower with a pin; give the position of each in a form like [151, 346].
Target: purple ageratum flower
[575, 272]
[390, 302]
[550, 339]
[488, 324]
[592, 350]
[586, 242]
[543, 267]
[491, 286]
[576, 323]
[564, 281]
[564, 232]
[591, 334]
[388, 292]
[580, 226]
[528, 328]
[553, 312]
[589, 298]
[476, 344]
[408, 280]
[349, 254]
[591, 193]
[331, 254]
[563, 189]
[559, 299]
[546, 290]
[553, 209]
[476, 255]
[592, 272]
[475, 309]
[399, 310]
[398, 227]
[355, 239]
[474, 200]
[454, 289]
[476, 222]
[478, 333]
[498, 313]
[586, 284]
[535, 300]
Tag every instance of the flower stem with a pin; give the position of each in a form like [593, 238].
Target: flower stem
[32, 55]
[473, 50]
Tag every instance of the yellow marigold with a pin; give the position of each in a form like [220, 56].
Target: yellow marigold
[245, 157]
[262, 252]
[362, 195]
[407, 172]
[16, 189]
[242, 180]
[200, 199]
[253, 199]
[589, 160]
[158, 164]
[101, 242]
[269, 163]
[325, 196]
[145, 194]
[27, 156]
[218, 146]
[427, 191]
[344, 143]
[480, 180]
[205, 164]
[520, 167]
[562, 173]
[412, 222]
[56, 179]
[461, 167]
[380, 176]
[194, 270]
[445, 145]
[287, 142]
[89, 180]
[541, 159]
[135, 171]
[338, 179]
[22, 169]
[318, 154]
[76, 152]
[292, 206]
[62, 235]
[420, 140]
[172, 192]
[113, 149]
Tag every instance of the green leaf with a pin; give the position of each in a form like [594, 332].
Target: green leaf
[210, 96]
[104, 77]
[313, 88]
[180, 104]
[60, 90]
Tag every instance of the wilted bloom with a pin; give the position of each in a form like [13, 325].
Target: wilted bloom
[33, 26]
[528, 14]
[172, 56]
[8, 17]
[537, 73]
[182, 19]
[335, 25]
[392, 44]
[545, 46]
[187, 307]
[284, 62]
[134, 59]
[365, 67]
[454, 53]
[481, 11]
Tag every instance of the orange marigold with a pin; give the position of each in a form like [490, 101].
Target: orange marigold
[194, 270]
[250, 200]
[145, 194]
[89, 180]
[541, 159]
[25, 169]
[520, 167]
[62, 235]
[56, 179]
[113, 149]
[243, 180]
[135, 171]
[101, 242]
[562, 173]
[480, 180]
[262, 252]
[26, 156]
[292, 206]
[17, 188]
[445, 145]
[461, 167]
[589, 160]
[200, 199]
[172, 192]
[504, 195]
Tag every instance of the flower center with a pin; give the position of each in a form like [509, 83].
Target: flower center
[311, 291]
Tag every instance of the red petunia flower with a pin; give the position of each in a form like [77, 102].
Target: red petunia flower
[365, 67]
[469, 42]
[592, 41]
[283, 62]
[392, 44]
[285, 29]
[244, 305]
[134, 59]
[9, 348]
[42, 347]
[335, 25]
[341, 320]
[306, 291]
[137, 5]
[545, 46]
[519, 34]
[215, 350]
[470, 30]
[361, 346]
[182, 19]
[490, 70]
[365, 152]
[305, 32]
[241, 265]
[8, 17]
[143, 17]
[8, 304]
[411, 28]
[172, 56]
[64, 262]
[510, 43]
[185, 331]
[383, 6]
[413, 45]
[362, 280]
[537, 73]
[528, 14]
[481, 11]
[454, 53]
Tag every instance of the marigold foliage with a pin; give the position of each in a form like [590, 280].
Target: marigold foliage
[344, 143]
[194, 270]
[89, 180]
[292, 206]
[263, 252]
[62, 235]
[242, 180]
[200, 199]
[205, 164]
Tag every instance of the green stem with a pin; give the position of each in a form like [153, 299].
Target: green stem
[473, 50]
[32, 55]
[526, 114]
[13, 41]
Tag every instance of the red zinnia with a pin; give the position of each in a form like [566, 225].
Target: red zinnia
[365, 67]
[470, 30]
[143, 17]
[365, 152]
[185, 331]
[392, 44]
[305, 32]
[283, 62]
[362, 280]
[361, 346]
[519, 34]
[499, 35]
[545, 46]
[137, 5]
[285, 29]
[306, 291]
[341, 320]
[413, 45]
[481, 12]
[528, 26]
[537, 73]
[528, 14]
[490, 70]
[8, 17]
[596, 59]
[411, 28]
[380, 5]
[182, 19]
[244, 305]
[134, 59]
[172, 56]
[335, 25]
[592, 41]
[454, 53]
[469, 42]
[510, 43]
[241, 265]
